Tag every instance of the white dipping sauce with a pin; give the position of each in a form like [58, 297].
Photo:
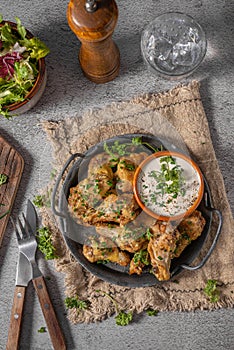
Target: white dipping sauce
[165, 204]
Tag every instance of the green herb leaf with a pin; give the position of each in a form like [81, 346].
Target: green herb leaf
[151, 312]
[138, 141]
[42, 330]
[38, 201]
[123, 318]
[3, 179]
[148, 234]
[75, 303]
[141, 256]
[45, 243]
[211, 290]
[169, 179]
[2, 216]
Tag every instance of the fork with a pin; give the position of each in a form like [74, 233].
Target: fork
[27, 246]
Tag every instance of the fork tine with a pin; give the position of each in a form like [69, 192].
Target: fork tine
[16, 230]
[27, 226]
[23, 231]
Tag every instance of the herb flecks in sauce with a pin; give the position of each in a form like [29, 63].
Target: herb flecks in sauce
[168, 185]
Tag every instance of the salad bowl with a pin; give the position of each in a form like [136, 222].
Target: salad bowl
[22, 69]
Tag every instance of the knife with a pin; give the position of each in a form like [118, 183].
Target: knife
[23, 276]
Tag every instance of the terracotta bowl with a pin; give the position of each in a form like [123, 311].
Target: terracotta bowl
[190, 167]
[38, 88]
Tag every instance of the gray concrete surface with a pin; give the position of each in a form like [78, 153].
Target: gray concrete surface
[68, 94]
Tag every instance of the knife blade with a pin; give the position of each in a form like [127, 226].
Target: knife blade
[23, 276]
[31, 217]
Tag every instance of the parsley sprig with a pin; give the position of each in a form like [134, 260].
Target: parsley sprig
[45, 244]
[3, 179]
[122, 149]
[42, 330]
[141, 257]
[43, 200]
[76, 303]
[138, 141]
[170, 178]
[211, 290]
[152, 312]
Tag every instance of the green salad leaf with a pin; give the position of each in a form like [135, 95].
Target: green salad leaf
[37, 48]
[21, 30]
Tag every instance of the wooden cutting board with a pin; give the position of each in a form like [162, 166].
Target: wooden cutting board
[12, 165]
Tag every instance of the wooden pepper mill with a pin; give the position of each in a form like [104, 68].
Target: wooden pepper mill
[93, 22]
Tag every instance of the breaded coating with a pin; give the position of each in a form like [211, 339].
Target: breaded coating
[190, 229]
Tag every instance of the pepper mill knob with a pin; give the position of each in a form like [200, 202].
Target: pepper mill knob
[93, 23]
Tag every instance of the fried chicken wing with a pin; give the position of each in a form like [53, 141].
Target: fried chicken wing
[161, 247]
[190, 229]
[127, 165]
[139, 261]
[118, 209]
[136, 267]
[103, 249]
[100, 160]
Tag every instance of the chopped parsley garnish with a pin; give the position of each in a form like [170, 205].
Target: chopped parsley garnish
[43, 200]
[104, 262]
[3, 179]
[148, 234]
[42, 330]
[211, 290]
[45, 243]
[123, 318]
[152, 312]
[141, 256]
[38, 201]
[76, 303]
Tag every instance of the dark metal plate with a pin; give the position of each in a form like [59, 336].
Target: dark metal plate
[110, 272]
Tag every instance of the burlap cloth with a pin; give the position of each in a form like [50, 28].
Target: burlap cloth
[182, 108]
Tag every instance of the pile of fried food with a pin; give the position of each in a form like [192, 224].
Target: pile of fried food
[124, 233]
